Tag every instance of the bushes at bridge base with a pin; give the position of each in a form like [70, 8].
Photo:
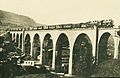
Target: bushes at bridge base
[109, 68]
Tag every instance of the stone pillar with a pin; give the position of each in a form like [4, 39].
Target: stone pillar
[54, 54]
[116, 44]
[41, 47]
[71, 44]
[23, 40]
[31, 49]
[15, 37]
[18, 40]
[12, 36]
[70, 59]
[95, 44]
[94, 48]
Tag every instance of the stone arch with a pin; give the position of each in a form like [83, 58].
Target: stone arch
[62, 53]
[27, 46]
[105, 47]
[36, 47]
[82, 55]
[47, 50]
[17, 40]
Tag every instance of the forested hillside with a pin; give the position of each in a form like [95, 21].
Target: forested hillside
[8, 19]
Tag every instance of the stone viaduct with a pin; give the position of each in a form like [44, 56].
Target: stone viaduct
[64, 39]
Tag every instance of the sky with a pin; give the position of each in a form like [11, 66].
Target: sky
[64, 11]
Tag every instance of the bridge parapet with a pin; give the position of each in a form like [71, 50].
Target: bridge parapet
[51, 27]
[90, 24]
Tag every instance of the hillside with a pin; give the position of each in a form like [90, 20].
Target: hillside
[12, 18]
[8, 19]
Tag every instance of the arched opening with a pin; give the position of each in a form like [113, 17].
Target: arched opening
[17, 40]
[47, 50]
[10, 37]
[82, 56]
[106, 47]
[20, 40]
[27, 47]
[62, 54]
[36, 47]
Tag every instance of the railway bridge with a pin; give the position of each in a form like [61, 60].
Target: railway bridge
[64, 47]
